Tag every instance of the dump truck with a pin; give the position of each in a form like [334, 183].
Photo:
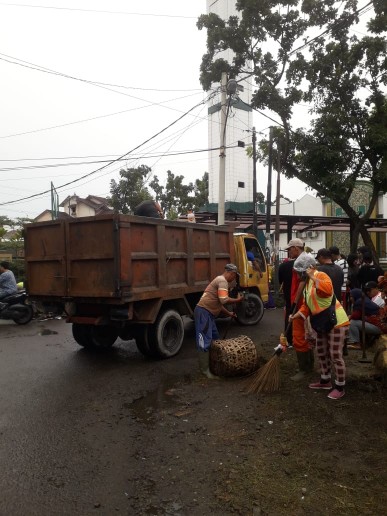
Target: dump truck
[136, 277]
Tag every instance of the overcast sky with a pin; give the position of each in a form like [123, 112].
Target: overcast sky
[85, 82]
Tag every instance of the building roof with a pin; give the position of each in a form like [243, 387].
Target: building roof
[289, 223]
[99, 204]
[61, 215]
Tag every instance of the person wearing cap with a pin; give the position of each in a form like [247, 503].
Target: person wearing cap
[211, 305]
[372, 291]
[302, 346]
[318, 295]
[324, 258]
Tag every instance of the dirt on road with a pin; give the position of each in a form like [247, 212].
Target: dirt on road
[115, 433]
[213, 450]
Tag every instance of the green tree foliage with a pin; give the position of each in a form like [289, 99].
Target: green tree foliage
[175, 197]
[308, 52]
[200, 193]
[130, 190]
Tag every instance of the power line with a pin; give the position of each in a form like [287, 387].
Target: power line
[43, 129]
[48, 70]
[150, 156]
[26, 64]
[101, 11]
[359, 12]
[110, 163]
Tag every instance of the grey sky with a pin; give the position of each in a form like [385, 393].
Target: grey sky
[145, 58]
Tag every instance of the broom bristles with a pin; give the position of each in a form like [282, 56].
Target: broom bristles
[266, 378]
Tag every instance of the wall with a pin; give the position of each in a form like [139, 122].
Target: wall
[239, 167]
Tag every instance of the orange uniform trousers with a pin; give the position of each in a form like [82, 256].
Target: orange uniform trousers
[298, 329]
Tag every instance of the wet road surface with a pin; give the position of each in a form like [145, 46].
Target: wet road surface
[72, 422]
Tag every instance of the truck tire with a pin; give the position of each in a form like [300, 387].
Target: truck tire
[250, 311]
[167, 334]
[103, 337]
[97, 337]
[82, 335]
[141, 336]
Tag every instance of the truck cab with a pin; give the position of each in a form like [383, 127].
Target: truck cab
[253, 279]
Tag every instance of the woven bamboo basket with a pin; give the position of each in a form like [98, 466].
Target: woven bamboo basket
[233, 357]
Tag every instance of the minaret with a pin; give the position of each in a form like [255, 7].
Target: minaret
[239, 167]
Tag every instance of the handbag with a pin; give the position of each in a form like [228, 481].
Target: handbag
[324, 321]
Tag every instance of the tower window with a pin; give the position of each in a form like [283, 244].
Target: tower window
[241, 184]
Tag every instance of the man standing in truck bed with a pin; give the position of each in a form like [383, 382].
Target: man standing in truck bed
[210, 305]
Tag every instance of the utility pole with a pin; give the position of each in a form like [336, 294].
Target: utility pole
[268, 196]
[222, 149]
[277, 221]
[254, 182]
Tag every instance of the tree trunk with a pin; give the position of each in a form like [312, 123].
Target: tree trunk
[360, 229]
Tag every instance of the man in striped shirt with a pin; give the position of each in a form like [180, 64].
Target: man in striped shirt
[340, 260]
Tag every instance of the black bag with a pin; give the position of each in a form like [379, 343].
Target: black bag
[324, 321]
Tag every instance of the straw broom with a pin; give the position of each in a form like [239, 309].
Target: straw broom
[267, 378]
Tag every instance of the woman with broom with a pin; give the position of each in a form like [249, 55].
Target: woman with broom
[331, 329]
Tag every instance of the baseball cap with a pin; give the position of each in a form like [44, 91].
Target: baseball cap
[295, 242]
[230, 267]
[370, 284]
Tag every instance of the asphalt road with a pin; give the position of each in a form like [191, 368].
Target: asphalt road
[69, 419]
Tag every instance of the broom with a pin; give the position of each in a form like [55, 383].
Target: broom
[267, 378]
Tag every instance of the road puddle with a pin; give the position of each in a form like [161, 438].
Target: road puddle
[165, 399]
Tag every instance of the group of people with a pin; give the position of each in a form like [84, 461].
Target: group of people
[318, 288]
[345, 290]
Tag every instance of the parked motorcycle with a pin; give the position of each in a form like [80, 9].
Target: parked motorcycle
[14, 307]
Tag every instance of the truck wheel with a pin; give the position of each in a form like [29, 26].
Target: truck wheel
[250, 311]
[141, 336]
[82, 335]
[103, 336]
[167, 334]
[90, 336]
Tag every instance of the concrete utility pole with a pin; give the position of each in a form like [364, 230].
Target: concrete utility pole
[254, 182]
[222, 149]
[268, 196]
[277, 221]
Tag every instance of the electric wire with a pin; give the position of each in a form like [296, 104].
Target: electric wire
[178, 16]
[110, 163]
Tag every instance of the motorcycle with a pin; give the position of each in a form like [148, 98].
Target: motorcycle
[14, 307]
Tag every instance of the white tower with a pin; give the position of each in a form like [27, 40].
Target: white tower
[239, 167]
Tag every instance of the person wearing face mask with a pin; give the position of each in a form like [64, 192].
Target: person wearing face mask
[319, 296]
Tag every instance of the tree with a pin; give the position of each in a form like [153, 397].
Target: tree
[341, 75]
[200, 193]
[174, 197]
[130, 190]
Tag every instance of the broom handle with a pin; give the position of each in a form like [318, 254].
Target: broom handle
[296, 300]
